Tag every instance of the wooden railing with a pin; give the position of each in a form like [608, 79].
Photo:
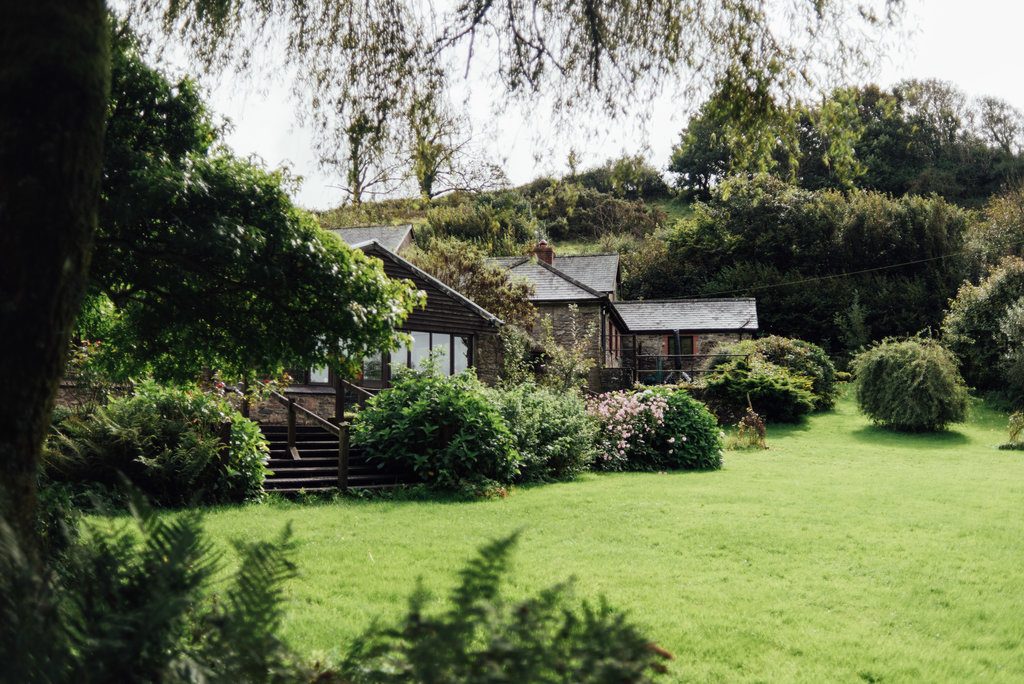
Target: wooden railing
[671, 368]
[340, 431]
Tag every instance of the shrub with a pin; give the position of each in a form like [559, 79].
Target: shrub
[656, 429]
[444, 430]
[484, 637]
[1016, 441]
[974, 325]
[133, 604]
[796, 356]
[751, 432]
[500, 222]
[776, 393]
[554, 434]
[167, 442]
[911, 384]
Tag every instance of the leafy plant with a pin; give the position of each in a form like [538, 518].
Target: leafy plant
[910, 384]
[977, 323]
[177, 446]
[797, 356]
[751, 431]
[484, 637]
[554, 434]
[133, 604]
[567, 366]
[442, 429]
[656, 429]
[1016, 441]
[775, 392]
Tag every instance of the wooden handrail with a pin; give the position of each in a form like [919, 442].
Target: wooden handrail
[361, 391]
[293, 406]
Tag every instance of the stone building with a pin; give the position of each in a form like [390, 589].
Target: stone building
[630, 340]
[672, 335]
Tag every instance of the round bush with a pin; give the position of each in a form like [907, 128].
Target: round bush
[656, 429]
[167, 442]
[554, 434]
[912, 385]
[777, 394]
[443, 430]
[796, 356]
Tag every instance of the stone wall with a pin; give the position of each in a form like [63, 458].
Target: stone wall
[273, 412]
[489, 358]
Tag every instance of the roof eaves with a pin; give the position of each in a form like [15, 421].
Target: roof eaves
[455, 294]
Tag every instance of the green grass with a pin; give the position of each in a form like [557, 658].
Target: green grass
[844, 553]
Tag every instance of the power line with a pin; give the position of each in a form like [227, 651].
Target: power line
[828, 277]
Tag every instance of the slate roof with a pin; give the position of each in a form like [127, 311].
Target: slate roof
[391, 238]
[666, 315]
[597, 271]
[549, 284]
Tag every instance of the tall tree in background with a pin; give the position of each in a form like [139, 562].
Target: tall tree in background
[439, 146]
[347, 56]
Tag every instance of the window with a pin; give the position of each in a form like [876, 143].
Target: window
[319, 376]
[373, 368]
[441, 346]
[454, 352]
[461, 353]
[684, 346]
[420, 348]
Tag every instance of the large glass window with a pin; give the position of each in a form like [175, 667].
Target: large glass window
[373, 368]
[420, 347]
[441, 346]
[319, 376]
[460, 353]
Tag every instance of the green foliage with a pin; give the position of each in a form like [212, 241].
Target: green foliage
[203, 258]
[911, 385]
[776, 393]
[567, 210]
[1016, 441]
[786, 245]
[499, 222]
[981, 329]
[920, 137]
[567, 366]
[796, 356]
[554, 434]
[656, 429]
[132, 604]
[463, 266]
[699, 448]
[484, 637]
[442, 429]
[627, 177]
[168, 443]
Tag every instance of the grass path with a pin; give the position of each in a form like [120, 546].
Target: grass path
[844, 553]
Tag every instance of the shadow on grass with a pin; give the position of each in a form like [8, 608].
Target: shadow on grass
[875, 434]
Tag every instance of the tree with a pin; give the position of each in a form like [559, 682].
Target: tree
[182, 218]
[440, 149]
[53, 100]
[53, 87]
[464, 267]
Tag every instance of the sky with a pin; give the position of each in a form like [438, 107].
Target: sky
[975, 45]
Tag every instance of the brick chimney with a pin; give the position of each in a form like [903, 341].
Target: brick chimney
[544, 252]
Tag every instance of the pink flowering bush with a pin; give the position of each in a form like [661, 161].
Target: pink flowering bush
[655, 429]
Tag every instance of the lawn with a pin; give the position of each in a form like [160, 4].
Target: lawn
[843, 553]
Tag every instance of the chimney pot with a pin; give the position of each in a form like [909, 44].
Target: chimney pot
[544, 252]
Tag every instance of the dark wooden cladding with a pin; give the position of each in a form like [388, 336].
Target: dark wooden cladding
[443, 312]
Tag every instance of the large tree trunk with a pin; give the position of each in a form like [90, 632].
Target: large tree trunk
[54, 73]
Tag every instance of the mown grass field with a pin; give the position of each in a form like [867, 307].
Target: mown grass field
[844, 553]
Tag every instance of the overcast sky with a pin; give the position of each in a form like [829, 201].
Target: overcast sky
[974, 44]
